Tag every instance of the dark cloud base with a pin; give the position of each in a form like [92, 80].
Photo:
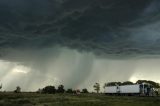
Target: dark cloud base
[40, 38]
[101, 26]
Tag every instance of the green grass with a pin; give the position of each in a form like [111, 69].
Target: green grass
[33, 99]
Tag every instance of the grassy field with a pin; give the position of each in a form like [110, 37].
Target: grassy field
[31, 99]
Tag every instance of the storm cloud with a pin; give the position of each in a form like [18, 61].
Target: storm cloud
[58, 40]
[106, 26]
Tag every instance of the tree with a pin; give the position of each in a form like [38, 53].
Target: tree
[112, 84]
[69, 91]
[60, 89]
[118, 83]
[49, 90]
[1, 86]
[127, 83]
[18, 89]
[105, 85]
[85, 90]
[96, 87]
[154, 84]
[39, 90]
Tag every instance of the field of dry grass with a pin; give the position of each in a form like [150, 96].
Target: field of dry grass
[33, 99]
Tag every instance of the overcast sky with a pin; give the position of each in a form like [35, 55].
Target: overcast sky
[78, 42]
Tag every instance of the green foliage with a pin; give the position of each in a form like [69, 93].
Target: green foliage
[49, 90]
[96, 87]
[69, 91]
[39, 90]
[154, 84]
[18, 89]
[112, 83]
[118, 83]
[60, 89]
[85, 90]
[127, 83]
[34, 99]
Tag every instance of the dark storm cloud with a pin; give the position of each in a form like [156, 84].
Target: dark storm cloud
[113, 27]
[41, 40]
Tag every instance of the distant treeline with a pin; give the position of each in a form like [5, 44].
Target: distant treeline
[154, 84]
[52, 90]
[60, 89]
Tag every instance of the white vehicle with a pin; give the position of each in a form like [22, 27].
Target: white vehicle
[112, 89]
[137, 89]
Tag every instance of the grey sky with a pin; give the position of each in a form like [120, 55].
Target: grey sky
[78, 42]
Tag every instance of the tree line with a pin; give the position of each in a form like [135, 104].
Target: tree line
[60, 89]
[52, 90]
[154, 84]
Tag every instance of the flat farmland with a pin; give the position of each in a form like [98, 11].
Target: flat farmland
[33, 99]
